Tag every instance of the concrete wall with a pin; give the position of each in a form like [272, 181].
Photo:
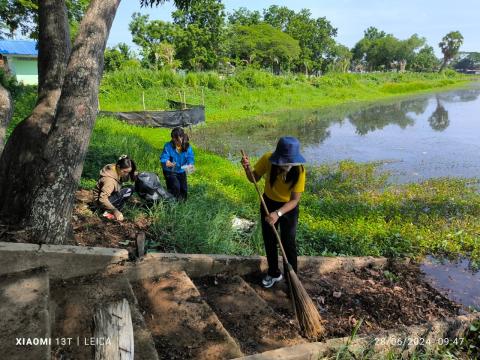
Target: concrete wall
[24, 68]
[197, 265]
[62, 261]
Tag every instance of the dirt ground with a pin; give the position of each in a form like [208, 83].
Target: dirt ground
[382, 298]
[182, 325]
[92, 229]
[256, 326]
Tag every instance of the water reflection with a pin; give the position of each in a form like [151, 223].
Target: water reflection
[428, 135]
[377, 117]
[439, 118]
[455, 279]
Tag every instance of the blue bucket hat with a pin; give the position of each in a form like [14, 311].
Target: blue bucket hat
[287, 152]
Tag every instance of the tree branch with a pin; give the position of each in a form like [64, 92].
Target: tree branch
[53, 50]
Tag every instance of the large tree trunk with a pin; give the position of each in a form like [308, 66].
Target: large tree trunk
[19, 160]
[68, 140]
[6, 112]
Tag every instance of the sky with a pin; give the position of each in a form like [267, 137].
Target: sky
[431, 19]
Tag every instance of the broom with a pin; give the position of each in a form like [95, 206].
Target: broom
[305, 311]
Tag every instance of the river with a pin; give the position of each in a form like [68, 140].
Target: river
[416, 138]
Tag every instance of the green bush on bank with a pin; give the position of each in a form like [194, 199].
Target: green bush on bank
[251, 92]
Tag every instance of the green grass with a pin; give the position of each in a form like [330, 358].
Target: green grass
[253, 92]
[348, 209]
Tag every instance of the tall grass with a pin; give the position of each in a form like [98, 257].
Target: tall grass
[347, 209]
[251, 92]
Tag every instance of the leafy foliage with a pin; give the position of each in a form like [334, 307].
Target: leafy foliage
[118, 57]
[468, 61]
[380, 51]
[194, 38]
[243, 16]
[450, 45]
[425, 60]
[315, 36]
[22, 15]
[263, 44]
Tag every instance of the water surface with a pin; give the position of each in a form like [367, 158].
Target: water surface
[421, 137]
[455, 279]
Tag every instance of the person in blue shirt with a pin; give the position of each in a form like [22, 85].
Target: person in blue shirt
[177, 160]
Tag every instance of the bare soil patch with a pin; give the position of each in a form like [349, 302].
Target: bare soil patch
[181, 323]
[383, 298]
[246, 316]
[90, 228]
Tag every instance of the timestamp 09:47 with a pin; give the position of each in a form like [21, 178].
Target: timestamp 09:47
[417, 341]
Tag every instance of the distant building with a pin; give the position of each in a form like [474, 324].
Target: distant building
[19, 58]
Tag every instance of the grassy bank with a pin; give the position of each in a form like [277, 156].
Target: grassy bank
[253, 92]
[348, 209]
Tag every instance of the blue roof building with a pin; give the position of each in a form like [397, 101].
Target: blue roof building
[19, 58]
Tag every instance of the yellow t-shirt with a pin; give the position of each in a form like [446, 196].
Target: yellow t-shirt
[280, 191]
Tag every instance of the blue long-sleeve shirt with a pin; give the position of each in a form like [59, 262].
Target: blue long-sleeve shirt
[180, 159]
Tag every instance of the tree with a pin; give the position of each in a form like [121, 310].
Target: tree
[6, 108]
[243, 16]
[265, 45]
[315, 36]
[22, 15]
[425, 60]
[450, 45]
[380, 51]
[341, 58]
[42, 162]
[199, 44]
[117, 56]
[468, 61]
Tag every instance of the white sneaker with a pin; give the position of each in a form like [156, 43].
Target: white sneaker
[268, 281]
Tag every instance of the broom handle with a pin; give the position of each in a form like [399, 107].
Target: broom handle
[265, 208]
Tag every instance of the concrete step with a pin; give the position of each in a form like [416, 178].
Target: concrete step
[182, 324]
[75, 302]
[246, 316]
[24, 315]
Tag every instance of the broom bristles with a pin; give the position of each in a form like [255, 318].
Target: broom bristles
[308, 317]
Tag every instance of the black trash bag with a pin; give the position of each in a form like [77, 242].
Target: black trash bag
[148, 187]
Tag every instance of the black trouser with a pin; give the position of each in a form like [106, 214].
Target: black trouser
[119, 198]
[176, 184]
[288, 228]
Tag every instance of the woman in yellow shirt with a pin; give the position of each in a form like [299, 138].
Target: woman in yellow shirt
[284, 185]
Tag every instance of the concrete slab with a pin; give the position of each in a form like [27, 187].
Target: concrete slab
[24, 316]
[182, 324]
[62, 261]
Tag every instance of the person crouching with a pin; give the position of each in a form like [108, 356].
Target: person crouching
[108, 193]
